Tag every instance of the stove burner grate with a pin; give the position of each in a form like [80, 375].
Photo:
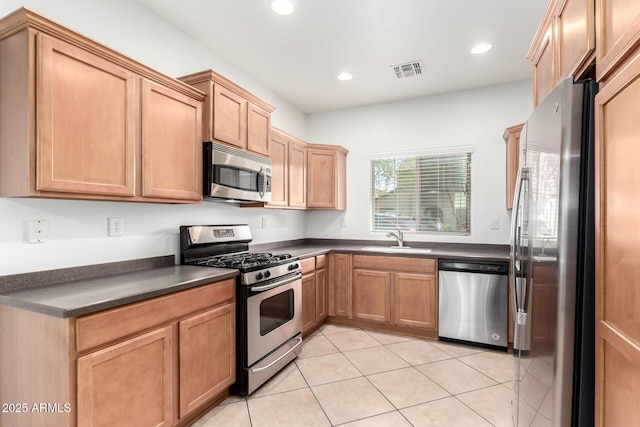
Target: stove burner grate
[244, 261]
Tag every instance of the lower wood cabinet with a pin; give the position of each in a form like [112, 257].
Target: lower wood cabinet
[157, 362]
[322, 293]
[207, 356]
[129, 383]
[372, 295]
[340, 265]
[314, 293]
[388, 293]
[415, 303]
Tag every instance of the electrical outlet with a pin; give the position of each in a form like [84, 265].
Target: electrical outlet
[264, 222]
[115, 227]
[495, 223]
[38, 230]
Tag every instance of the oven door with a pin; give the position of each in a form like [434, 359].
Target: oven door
[274, 316]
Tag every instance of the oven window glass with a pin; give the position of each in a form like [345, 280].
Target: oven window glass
[275, 311]
[236, 178]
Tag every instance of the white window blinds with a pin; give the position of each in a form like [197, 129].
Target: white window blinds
[422, 193]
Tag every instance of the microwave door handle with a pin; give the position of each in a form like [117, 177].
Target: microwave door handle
[262, 189]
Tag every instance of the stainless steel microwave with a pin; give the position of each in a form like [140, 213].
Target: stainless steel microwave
[234, 175]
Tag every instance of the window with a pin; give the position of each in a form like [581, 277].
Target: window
[422, 193]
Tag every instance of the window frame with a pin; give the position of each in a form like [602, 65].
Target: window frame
[436, 152]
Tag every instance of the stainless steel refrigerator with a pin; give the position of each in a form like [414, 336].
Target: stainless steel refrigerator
[552, 262]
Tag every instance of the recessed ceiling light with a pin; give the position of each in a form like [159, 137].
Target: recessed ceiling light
[345, 76]
[282, 7]
[481, 48]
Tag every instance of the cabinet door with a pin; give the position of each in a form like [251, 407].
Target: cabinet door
[207, 356]
[258, 129]
[372, 295]
[279, 151]
[618, 32]
[321, 296]
[229, 117]
[544, 67]
[512, 139]
[415, 300]
[576, 35]
[308, 301]
[128, 383]
[171, 144]
[86, 122]
[340, 305]
[297, 175]
[617, 237]
[321, 174]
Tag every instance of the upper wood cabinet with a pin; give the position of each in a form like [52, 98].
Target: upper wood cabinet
[288, 171]
[542, 56]
[575, 27]
[617, 33]
[564, 44]
[78, 120]
[86, 140]
[512, 138]
[617, 131]
[326, 177]
[171, 144]
[231, 114]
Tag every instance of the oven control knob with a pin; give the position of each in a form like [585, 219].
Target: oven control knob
[267, 274]
[293, 266]
[259, 276]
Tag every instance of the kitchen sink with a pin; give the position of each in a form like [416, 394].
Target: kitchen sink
[397, 249]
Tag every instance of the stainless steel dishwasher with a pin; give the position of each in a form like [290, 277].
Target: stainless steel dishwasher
[473, 302]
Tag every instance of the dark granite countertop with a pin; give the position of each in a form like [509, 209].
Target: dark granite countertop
[78, 297]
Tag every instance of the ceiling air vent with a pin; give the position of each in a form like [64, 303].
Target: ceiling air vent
[409, 69]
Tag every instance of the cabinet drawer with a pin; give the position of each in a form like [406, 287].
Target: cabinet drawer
[308, 265]
[320, 261]
[391, 263]
[100, 328]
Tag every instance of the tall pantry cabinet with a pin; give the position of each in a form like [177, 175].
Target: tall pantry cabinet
[606, 33]
[617, 213]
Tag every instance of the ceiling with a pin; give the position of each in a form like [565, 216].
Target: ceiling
[299, 56]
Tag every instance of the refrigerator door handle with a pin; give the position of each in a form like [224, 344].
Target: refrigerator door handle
[516, 235]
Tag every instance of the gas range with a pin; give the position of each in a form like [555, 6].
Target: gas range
[226, 246]
[268, 299]
[255, 267]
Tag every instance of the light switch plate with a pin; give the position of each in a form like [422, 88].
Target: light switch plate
[37, 230]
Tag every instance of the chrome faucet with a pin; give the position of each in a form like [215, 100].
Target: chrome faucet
[398, 236]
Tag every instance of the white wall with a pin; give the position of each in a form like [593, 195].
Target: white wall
[78, 229]
[476, 117]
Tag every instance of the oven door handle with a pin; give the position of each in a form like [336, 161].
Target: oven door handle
[274, 285]
[264, 368]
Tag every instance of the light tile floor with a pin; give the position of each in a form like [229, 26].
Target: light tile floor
[359, 378]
